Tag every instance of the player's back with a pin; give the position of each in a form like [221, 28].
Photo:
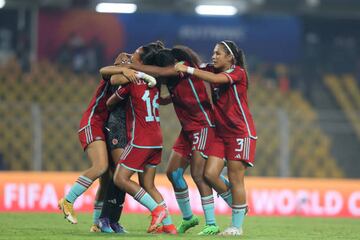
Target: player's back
[192, 104]
[143, 115]
[96, 111]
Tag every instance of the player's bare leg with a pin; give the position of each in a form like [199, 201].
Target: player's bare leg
[122, 179]
[147, 179]
[114, 200]
[236, 172]
[176, 167]
[97, 153]
[99, 200]
[197, 167]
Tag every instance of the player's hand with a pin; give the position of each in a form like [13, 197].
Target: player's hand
[180, 67]
[122, 59]
[151, 81]
[131, 75]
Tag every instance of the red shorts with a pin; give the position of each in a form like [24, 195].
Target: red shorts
[89, 134]
[234, 149]
[195, 140]
[136, 159]
[182, 146]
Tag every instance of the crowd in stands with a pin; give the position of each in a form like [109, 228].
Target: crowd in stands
[79, 56]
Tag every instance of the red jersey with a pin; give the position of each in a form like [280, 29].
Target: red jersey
[232, 114]
[96, 112]
[143, 121]
[191, 103]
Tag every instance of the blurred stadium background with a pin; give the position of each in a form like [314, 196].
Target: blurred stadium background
[303, 58]
[304, 65]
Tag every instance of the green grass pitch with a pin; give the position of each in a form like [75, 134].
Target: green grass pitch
[40, 226]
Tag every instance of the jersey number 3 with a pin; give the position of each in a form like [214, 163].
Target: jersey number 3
[152, 107]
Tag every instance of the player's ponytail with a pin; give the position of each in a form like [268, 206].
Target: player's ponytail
[165, 58]
[184, 53]
[149, 51]
[238, 56]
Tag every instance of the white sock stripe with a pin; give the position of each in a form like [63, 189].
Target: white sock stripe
[85, 179]
[207, 197]
[163, 203]
[225, 194]
[239, 206]
[139, 194]
[207, 200]
[184, 195]
[83, 182]
[183, 192]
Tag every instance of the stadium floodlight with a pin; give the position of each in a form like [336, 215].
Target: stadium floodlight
[116, 7]
[2, 3]
[218, 10]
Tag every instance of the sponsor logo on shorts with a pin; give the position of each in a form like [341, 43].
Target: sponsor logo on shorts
[238, 156]
[115, 141]
[98, 138]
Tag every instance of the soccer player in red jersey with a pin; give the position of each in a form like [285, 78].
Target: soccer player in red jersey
[116, 140]
[92, 139]
[143, 152]
[234, 125]
[193, 108]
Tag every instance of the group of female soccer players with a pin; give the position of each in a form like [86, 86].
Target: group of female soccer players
[216, 131]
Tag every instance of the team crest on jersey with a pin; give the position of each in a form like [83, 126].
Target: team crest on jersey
[115, 141]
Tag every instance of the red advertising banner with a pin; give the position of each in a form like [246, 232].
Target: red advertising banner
[40, 191]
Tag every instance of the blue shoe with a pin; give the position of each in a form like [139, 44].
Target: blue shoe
[104, 225]
[116, 227]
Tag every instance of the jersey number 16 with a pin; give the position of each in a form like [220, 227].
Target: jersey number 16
[152, 107]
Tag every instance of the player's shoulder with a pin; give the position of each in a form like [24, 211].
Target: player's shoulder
[207, 66]
[236, 71]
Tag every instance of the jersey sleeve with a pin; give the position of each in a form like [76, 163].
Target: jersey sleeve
[236, 74]
[206, 67]
[183, 75]
[123, 91]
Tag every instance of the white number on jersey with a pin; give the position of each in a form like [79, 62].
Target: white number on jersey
[151, 107]
[240, 142]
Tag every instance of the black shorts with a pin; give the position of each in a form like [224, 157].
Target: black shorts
[115, 129]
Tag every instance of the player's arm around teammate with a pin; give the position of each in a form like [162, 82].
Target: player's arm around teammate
[143, 152]
[234, 124]
[116, 139]
[92, 138]
[193, 108]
